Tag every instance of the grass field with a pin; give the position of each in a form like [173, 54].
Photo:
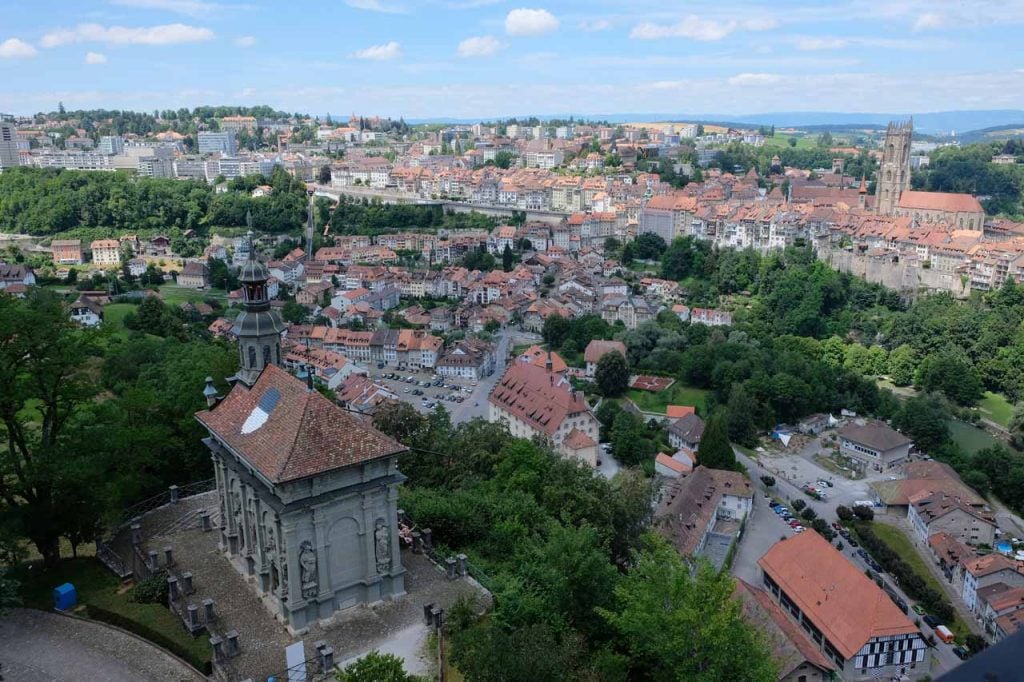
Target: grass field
[901, 544]
[114, 314]
[781, 141]
[970, 438]
[172, 294]
[996, 407]
[677, 394]
[98, 587]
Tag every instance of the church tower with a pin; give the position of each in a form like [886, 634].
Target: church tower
[894, 171]
[258, 328]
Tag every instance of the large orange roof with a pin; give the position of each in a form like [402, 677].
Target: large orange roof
[841, 601]
[940, 201]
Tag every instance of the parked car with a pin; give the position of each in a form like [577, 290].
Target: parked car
[961, 653]
[931, 621]
[851, 541]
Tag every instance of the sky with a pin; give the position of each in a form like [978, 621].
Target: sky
[480, 59]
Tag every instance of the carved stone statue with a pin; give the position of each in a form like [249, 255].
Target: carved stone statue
[271, 546]
[382, 547]
[307, 569]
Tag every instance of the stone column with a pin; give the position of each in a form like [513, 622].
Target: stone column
[450, 570]
[218, 648]
[174, 490]
[172, 588]
[193, 616]
[186, 583]
[208, 612]
[169, 555]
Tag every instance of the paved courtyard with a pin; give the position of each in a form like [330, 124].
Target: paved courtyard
[394, 626]
[36, 646]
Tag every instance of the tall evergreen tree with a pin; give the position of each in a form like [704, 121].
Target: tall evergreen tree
[715, 451]
[506, 258]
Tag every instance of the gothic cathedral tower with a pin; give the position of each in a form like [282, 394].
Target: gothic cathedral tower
[894, 171]
[258, 328]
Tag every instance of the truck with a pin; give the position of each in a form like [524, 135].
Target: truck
[944, 633]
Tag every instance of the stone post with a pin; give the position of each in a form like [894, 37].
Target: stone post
[172, 588]
[438, 617]
[218, 648]
[208, 613]
[136, 534]
[450, 568]
[153, 563]
[174, 494]
[427, 611]
[232, 643]
[204, 515]
[401, 515]
[428, 539]
[169, 555]
[326, 659]
[193, 616]
[463, 568]
[186, 583]
[417, 543]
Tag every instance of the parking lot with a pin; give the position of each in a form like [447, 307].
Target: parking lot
[424, 390]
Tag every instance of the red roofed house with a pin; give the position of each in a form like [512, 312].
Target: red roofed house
[597, 349]
[980, 572]
[535, 402]
[852, 621]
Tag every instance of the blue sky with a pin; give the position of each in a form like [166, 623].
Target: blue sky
[488, 58]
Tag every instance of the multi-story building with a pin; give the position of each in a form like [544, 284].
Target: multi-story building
[111, 144]
[536, 402]
[469, 359]
[981, 572]
[597, 349]
[8, 146]
[223, 142]
[853, 622]
[106, 251]
[874, 444]
[73, 160]
[942, 513]
[67, 251]
[695, 504]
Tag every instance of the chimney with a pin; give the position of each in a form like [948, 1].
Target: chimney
[210, 393]
[549, 364]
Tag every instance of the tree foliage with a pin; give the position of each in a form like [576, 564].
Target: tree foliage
[715, 450]
[612, 374]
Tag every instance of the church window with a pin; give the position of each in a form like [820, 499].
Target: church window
[266, 355]
[252, 356]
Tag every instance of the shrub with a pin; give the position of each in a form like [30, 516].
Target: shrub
[149, 591]
[809, 514]
[769, 481]
[864, 513]
[798, 505]
[844, 513]
[158, 638]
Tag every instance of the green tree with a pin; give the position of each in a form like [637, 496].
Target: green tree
[43, 362]
[555, 331]
[924, 420]
[506, 258]
[952, 375]
[649, 246]
[294, 312]
[503, 159]
[902, 365]
[375, 667]
[612, 374]
[715, 450]
[742, 410]
[682, 625]
[629, 443]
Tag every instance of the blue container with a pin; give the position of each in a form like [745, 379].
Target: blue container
[65, 597]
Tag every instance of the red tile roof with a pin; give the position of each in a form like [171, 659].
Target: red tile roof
[679, 411]
[841, 601]
[940, 201]
[537, 397]
[597, 349]
[288, 432]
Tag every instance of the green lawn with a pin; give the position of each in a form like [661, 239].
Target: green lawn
[115, 313]
[996, 407]
[677, 394]
[970, 438]
[172, 294]
[901, 544]
[781, 141]
[98, 587]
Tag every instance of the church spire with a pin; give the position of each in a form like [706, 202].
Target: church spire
[258, 327]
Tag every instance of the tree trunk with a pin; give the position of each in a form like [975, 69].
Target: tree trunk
[49, 549]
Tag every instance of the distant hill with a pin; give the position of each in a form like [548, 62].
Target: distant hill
[999, 133]
[930, 123]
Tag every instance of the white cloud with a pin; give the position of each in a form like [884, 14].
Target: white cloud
[697, 28]
[383, 52]
[166, 34]
[95, 58]
[192, 8]
[479, 46]
[594, 25]
[929, 20]
[745, 79]
[376, 6]
[530, 22]
[13, 48]
[813, 44]
[245, 41]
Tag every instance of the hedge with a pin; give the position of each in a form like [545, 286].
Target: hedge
[157, 638]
